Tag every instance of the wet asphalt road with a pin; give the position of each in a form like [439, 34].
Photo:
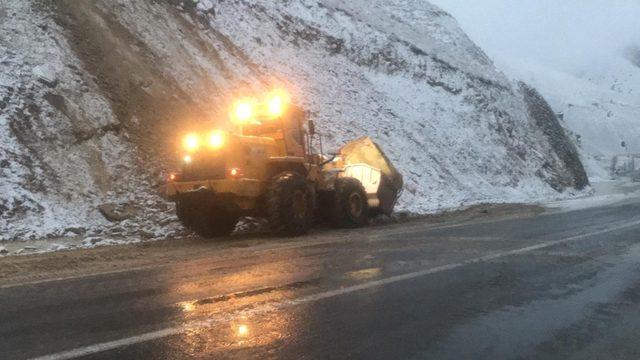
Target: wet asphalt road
[562, 286]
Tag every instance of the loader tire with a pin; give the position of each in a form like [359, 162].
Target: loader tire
[215, 224]
[205, 219]
[290, 204]
[350, 207]
[183, 213]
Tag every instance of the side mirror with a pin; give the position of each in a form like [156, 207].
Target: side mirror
[312, 127]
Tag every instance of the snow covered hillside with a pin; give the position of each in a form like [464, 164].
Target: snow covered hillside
[600, 103]
[95, 94]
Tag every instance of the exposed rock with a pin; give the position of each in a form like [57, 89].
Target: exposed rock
[167, 220]
[58, 247]
[76, 230]
[145, 234]
[250, 225]
[3, 250]
[205, 6]
[46, 74]
[93, 240]
[548, 122]
[117, 212]
[26, 249]
[116, 230]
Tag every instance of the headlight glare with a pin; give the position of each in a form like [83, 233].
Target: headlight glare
[191, 142]
[216, 139]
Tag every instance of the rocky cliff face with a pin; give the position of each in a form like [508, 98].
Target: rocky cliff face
[94, 96]
[600, 105]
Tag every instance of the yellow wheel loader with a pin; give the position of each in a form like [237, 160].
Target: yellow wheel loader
[265, 167]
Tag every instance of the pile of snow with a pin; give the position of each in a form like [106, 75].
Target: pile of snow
[94, 95]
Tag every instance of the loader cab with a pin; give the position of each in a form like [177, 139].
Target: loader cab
[287, 130]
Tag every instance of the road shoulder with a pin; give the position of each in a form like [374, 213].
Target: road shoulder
[51, 266]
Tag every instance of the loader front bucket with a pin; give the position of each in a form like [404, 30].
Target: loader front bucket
[365, 151]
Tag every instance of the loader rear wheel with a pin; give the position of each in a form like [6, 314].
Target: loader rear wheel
[290, 204]
[205, 219]
[350, 208]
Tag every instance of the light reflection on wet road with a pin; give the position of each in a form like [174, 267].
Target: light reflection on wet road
[577, 298]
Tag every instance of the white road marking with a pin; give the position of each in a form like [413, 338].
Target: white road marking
[413, 275]
[154, 335]
[97, 348]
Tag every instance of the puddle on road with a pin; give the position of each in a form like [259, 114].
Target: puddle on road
[364, 274]
[190, 306]
[242, 333]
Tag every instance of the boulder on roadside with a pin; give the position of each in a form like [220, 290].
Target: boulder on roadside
[117, 212]
[77, 230]
[46, 74]
[91, 240]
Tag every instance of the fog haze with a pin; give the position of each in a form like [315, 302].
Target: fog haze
[568, 34]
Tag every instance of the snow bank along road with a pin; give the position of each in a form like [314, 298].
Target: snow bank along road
[561, 285]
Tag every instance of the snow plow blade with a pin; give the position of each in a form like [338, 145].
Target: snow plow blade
[363, 159]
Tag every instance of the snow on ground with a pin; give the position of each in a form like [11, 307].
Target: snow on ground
[96, 94]
[604, 193]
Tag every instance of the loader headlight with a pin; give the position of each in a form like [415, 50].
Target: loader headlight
[275, 107]
[191, 142]
[216, 139]
[270, 106]
[243, 111]
[276, 103]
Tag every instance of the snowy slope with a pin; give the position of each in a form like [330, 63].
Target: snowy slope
[601, 105]
[449, 113]
[97, 95]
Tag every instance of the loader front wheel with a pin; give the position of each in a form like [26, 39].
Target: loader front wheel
[206, 219]
[214, 224]
[350, 208]
[290, 204]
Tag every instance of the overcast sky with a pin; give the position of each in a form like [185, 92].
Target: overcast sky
[568, 34]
